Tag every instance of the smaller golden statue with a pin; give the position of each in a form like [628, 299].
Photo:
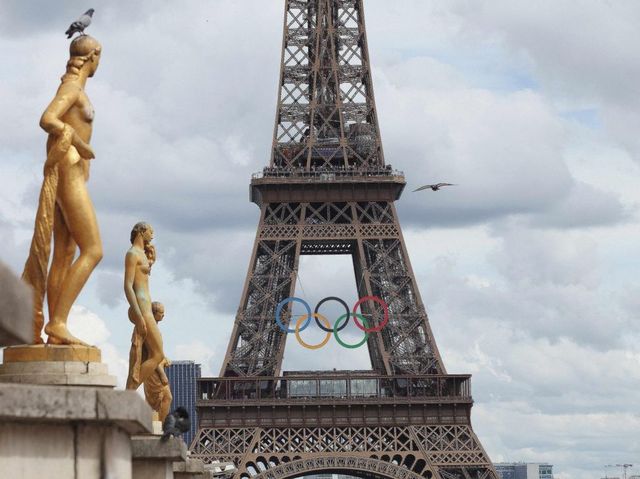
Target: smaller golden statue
[156, 387]
[65, 210]
[146, 357]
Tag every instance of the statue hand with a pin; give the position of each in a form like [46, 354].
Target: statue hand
[141, 328]
[85, 150]
[150, 253]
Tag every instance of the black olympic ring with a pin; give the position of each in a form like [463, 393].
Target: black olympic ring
[346, 309]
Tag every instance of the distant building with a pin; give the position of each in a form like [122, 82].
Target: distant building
[182, 379]
[522, 470]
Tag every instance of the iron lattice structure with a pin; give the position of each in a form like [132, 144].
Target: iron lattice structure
[328, 190]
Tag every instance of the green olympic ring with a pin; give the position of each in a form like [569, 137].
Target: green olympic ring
[346, 318]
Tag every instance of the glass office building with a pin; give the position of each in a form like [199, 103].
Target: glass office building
[182, 380]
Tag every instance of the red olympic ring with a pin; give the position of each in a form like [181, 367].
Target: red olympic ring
[385, 308]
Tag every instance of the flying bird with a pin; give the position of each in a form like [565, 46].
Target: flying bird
[80, 24]
[435, 187]
[176, 423]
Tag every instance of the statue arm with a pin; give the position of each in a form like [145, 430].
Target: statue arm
[163, 376]
[130, 264]
[51, 122]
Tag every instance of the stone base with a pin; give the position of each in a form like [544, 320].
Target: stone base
[51, 431]
[153, 457]
[62, 373]
[56, 366]
[50, 352]
[157, 427]
[191, 469]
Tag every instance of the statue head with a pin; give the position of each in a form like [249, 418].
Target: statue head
[157, 308]
[84, 52]
[143, 229]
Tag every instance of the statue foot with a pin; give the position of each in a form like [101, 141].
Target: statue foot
[59, 334]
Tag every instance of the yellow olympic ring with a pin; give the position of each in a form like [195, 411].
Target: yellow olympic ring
[304, 317]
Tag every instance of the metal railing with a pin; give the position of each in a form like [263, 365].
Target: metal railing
[335, 387]
[327, 174]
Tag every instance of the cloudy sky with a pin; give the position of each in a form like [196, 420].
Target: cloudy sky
[529, 268]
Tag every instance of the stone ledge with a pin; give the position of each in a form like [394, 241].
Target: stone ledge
[54, 367]
[57, 373]
[155, 448]
[28, 403]
[190, 466]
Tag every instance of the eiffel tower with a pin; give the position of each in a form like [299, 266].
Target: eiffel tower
[328, 190]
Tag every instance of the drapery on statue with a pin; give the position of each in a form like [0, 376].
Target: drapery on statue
[65, 210]
[146, 358]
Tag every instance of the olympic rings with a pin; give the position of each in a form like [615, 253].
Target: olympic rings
[346, 318]
[339, 325]
[312, 346]
[385, 308]
[279, 312]
[346, 309]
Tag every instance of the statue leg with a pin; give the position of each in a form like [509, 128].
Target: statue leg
[64, 249]
[165, 403]
[153, 345]
[80, 218]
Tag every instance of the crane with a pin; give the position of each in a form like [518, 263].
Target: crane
[624, 469]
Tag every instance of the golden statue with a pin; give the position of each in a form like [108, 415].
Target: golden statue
[146, 358]
[65, 209]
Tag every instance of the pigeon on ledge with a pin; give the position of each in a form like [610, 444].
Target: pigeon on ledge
[176, 423]
[80, 24]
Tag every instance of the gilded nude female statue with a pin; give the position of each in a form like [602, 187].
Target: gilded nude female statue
[65, 209]
[147, 354]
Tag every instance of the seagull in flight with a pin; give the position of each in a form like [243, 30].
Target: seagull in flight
[80, 24]
[435, 187]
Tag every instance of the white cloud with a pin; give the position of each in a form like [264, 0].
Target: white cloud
[93, 330]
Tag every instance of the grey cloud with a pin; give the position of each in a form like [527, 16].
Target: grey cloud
[19, 18]
[595, 63]
[109, 286]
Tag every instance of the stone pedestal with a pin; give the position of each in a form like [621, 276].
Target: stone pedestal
[68, 432]
[55, 365]
[190, 469]
[153, 457]
[60, 417]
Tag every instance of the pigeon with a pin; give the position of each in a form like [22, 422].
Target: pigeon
[80, 24]
[176, 423]
[435, 187]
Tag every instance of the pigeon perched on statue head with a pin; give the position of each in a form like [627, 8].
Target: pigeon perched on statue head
[176, 423]
[80, 24]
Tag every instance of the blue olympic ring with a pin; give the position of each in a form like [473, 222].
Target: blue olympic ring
[281, 305]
